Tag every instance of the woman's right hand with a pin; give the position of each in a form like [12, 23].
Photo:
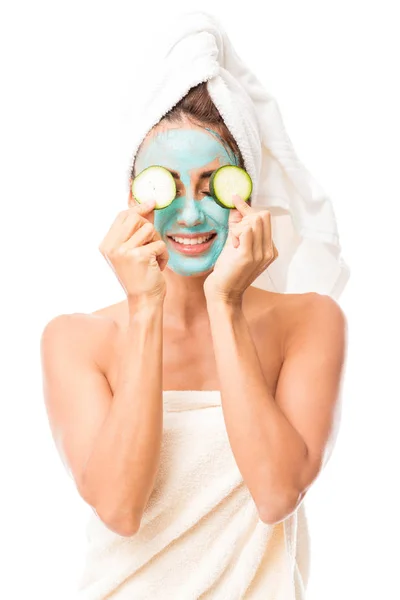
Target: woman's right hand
[137, 254]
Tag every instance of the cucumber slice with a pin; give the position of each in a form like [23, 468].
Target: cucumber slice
[229, 180]
[154, 182]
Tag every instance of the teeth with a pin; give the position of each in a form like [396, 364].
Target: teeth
[192, 241]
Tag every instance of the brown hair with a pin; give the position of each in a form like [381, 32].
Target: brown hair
[198, 107]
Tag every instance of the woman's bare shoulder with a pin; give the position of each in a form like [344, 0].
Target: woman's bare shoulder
[92, 331]
[114, 313]
[290, 312]
[287, 306]
[309, 312]
[305, 304]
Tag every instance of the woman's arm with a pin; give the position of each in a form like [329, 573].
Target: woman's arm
[112, 443]
[280, 443]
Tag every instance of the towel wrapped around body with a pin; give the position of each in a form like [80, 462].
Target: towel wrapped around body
[200, 537]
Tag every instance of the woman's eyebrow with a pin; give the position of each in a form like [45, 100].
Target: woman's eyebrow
[206, 174]
[203, 175]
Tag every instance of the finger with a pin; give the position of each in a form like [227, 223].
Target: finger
[234, 217]
[120, 218]
[269, 246]
[234, 233]
[147, 210]
[144, 208]
[158, 249]
[144, 234]
[163, 260]
[241, 205]
[121, 232]
[246, 241]
[235, 241]
[258, 238]
[116, 224]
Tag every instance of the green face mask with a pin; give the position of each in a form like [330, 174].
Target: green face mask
[189, 152]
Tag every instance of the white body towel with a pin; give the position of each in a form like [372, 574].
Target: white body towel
[201, 537]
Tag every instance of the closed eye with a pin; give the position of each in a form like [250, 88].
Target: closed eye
[205, 192]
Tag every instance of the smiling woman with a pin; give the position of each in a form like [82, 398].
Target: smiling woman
[195, 414]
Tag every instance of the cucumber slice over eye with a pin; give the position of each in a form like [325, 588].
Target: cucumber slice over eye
[229, 180]
[154, 182]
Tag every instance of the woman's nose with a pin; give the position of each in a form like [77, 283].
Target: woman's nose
[190, 213]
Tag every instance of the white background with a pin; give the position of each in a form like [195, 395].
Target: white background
[333, 69]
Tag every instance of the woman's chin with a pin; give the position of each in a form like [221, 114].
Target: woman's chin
[201, 274]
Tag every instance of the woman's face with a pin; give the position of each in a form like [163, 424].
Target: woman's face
[190, 152]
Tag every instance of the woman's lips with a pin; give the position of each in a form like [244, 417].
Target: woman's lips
[192, 235]
[190, 249]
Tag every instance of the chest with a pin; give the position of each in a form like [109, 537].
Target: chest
[189, 361]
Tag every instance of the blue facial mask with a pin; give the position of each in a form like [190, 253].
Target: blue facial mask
[189, 151]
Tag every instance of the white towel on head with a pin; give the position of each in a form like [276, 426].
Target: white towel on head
[194, 49]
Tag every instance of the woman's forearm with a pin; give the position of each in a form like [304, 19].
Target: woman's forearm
[122, 467]
[267, 449]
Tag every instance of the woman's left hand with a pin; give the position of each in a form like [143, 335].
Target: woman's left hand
[247, 252]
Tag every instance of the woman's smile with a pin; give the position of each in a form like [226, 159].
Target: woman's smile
[192, 245]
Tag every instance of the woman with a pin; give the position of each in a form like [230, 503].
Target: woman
[248, 380]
